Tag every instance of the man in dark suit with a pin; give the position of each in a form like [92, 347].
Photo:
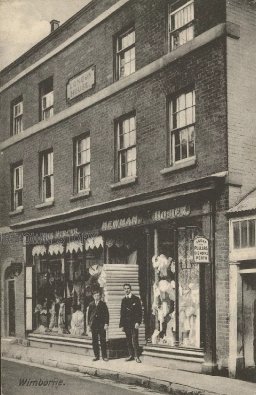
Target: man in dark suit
[130, 320]
[98, 321]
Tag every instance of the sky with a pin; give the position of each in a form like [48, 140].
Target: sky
[25, 22]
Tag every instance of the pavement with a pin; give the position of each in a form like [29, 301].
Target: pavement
[175, 382]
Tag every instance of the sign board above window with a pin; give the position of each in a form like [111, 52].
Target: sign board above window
[81, 83]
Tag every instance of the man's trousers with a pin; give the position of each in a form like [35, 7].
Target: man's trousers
[132, 341]
[99, 334]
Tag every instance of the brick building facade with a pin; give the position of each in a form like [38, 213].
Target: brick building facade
[132, 121]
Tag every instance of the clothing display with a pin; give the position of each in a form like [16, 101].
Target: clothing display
[77, 323]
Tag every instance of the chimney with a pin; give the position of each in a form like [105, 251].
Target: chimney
[54, 25]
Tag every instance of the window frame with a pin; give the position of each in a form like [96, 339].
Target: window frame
[46, 93]
[119, 52]
[16, 190]
[79, 166]
[44, 177]
[130, 147]
[19, 117]
[190, 127]
[190, 23]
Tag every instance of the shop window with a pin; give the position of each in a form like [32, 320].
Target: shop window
[125, 54]
[63, 291]
[83, 167]
[17, 187]
[17, 116]
[182, 127]
[46, 99]
[47, 180]
[244, 233]
[177, 322]
[126, 147]
[181, 23]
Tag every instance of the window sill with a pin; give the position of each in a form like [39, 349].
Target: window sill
[124, 182]
[49, 203]
[18, 211]
[81, 195]
[181, 165]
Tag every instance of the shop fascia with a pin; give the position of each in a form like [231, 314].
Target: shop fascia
[155, 216]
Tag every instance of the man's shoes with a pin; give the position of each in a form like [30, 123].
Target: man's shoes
[105, 359]
[131, 358]
[138, 360]
[95, 359]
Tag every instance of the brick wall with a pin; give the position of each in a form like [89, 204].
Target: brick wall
[241, 95]
[150, 19]
[204, 69]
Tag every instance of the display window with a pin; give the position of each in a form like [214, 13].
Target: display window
[63, 290]
[176, 289]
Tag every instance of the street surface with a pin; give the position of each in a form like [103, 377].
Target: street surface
[24, 379]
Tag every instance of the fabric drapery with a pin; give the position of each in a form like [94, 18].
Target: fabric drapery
[74, 246]
[39, 250]
[93, 242]
[55, 249]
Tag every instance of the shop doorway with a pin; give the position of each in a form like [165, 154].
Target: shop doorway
[249, 320]
[11, 307]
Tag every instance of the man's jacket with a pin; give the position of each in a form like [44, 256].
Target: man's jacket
[98, 315]
[131, 312]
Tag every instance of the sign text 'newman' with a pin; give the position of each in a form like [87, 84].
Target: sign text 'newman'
[121, 223]
[81, 83]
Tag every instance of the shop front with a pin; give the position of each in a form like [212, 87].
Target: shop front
[152, 248]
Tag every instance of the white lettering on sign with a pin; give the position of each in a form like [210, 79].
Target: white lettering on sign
[121, 223]
[177, 212]
[201, 249]
[80, 84]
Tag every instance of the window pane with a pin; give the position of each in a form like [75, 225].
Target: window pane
[251, 223]
[132, 137]
[48, 192]
[181, 119]
[131, 154]
[191, 139]
[236, 234]
[184, 143]
[189, 116]
[132, 123]
[244, 241]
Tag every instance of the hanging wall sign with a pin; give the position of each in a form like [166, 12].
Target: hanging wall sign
[201, 249]
[81, 83]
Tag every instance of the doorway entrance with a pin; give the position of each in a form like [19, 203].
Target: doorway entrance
[11, 308]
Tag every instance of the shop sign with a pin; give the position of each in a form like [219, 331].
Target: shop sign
[121, 223]
[201, 249]
[81, 83]
[176, 212]
[56, 235]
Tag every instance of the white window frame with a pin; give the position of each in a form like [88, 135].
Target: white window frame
[242, 253]
[17, 187]
[123, 149]
[47, 176]
[17, 117]
[187, 128]
[122, 51]
[83, 164]
[47, 105]
[185, 31]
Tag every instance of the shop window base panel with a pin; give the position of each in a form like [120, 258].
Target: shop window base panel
[176, 358]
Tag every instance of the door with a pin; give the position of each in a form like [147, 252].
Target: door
[249, 319]
[11, 307]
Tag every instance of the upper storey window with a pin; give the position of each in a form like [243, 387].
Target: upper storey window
[83, 159]
[182, 127]
[47, 180]
[125, 53]
[126, 147]
[17, 116]
[46, 99]
[181, 23]
[17, 195]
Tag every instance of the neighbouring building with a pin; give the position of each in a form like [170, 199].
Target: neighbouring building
[127, 135]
